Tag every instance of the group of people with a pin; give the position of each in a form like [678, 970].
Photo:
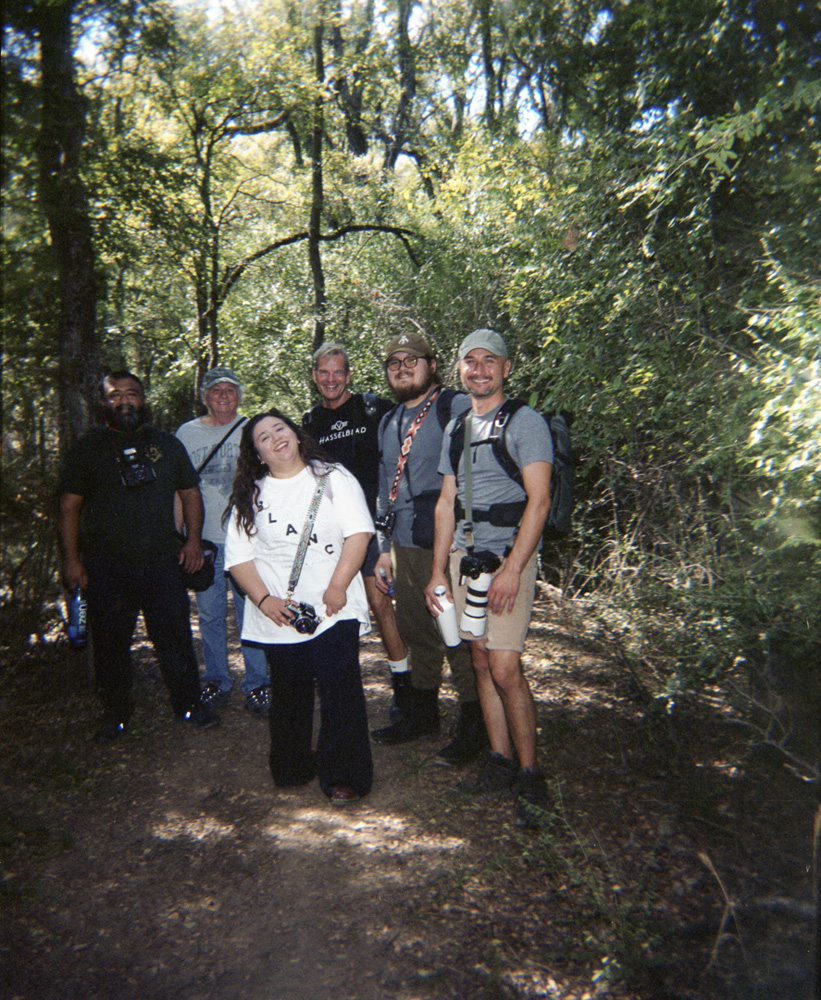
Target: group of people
[398, 508]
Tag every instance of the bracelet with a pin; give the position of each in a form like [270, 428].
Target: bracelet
[261, 601]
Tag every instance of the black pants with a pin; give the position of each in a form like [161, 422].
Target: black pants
[329, 662]
[116, 595]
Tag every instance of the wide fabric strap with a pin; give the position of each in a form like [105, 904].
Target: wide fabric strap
[302, 548]
[469, 539]
[404, 451]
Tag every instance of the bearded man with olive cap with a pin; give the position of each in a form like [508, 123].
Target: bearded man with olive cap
[410, 440]
[496, 521]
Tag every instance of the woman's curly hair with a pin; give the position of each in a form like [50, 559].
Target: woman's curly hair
[251, 470]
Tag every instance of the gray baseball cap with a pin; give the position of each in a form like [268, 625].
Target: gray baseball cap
[489, 339]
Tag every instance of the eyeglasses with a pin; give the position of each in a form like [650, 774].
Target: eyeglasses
[394, 364]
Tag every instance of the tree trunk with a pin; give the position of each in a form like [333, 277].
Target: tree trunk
[317, 194]
[65, 204]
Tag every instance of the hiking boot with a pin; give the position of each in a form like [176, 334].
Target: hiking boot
[531, 799]
[497, 773]
[214, 696]
[111, 728]
[469, 737]
[200, 715]
[258, 701]
[421, 720]
[402, 695]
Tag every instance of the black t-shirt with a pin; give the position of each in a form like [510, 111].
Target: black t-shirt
[132, 523]
[349, 435]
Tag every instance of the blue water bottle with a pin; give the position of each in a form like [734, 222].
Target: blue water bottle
[77, 620]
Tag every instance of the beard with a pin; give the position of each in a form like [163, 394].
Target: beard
[410, 391]
[127, 418]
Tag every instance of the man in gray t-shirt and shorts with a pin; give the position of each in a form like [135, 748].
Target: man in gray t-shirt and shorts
[507, 522]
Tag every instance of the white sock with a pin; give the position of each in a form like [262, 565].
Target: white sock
[399, 666]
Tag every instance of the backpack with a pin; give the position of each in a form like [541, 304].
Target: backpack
[562, 481]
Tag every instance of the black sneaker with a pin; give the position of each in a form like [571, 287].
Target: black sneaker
[258, 701]
[111, 728]
[202, 716]
[532, 799]
[213, 695]
[497, 773]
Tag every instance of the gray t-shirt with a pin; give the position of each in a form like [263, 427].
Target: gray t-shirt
[528, 440]
[217, 478]
[420, 475]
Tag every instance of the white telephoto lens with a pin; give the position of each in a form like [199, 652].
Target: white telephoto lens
[474, 617]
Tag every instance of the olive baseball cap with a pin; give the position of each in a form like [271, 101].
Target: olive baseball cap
[412, 343]
[218, 374]
[489, 339]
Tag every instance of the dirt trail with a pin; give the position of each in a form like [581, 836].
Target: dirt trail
[167, 866]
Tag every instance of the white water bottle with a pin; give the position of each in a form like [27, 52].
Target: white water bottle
[446, 619]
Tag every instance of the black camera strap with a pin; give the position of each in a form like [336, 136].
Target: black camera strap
[308, 528]
[220, 443]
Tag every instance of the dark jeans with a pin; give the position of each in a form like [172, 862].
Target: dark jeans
[329, 662]
[116, 595]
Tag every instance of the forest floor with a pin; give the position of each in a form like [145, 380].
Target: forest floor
[676, 861]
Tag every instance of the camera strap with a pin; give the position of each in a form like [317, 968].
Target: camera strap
[404, 450]
[220, 443]
[307, 529]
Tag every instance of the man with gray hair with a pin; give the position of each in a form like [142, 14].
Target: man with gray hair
[212, 442]
[345, 424]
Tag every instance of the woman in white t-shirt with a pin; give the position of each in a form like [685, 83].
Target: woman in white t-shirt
[278, 471]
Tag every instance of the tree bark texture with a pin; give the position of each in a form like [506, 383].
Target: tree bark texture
[317, 191]
[65, 204]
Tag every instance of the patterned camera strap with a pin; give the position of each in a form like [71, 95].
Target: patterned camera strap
[302, 548]
[404, 450]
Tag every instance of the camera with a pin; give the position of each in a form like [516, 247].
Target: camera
[478, 569]
[305, 619]
[385, 523]
[475, 564]
[135, 469]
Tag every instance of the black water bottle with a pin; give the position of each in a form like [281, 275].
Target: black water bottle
[77, 620]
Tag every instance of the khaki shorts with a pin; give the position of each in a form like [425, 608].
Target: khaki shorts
[505, 631]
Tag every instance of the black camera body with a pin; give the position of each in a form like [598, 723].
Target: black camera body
[305, 619]
[135, 469]
[385, 523]
[475, 563]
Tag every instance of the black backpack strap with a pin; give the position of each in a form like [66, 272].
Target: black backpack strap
[457, 442]
[369, 400]
[505, 413]
[444, 406]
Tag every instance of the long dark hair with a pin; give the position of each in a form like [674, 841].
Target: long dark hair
[251, 469]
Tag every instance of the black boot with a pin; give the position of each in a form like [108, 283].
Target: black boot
[421, 720]
[402, 695]
[469, 737]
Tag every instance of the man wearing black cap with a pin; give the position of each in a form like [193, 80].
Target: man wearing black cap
[488, 531]
[212, 442]
[410, 440]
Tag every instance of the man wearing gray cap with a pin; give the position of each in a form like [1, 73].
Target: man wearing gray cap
[212, 442]
[489, 524]
[410, 440]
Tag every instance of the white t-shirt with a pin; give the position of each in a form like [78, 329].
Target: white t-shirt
[282, 508]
